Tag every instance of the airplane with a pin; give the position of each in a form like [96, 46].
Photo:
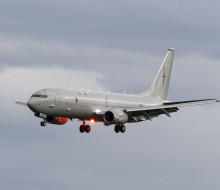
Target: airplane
[56, 106]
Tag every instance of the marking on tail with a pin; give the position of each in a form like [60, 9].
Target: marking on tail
[160, 86]
[164, 76]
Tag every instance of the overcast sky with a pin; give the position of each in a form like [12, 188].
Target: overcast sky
[117, 46]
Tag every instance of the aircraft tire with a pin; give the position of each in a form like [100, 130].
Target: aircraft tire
[117, 128]
[81, 128]
[87, 128]
[122, 128]
[42, 123]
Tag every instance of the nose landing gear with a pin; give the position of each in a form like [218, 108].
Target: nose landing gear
[43, 123]
[84, 128]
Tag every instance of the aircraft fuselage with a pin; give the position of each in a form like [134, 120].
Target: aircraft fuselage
[84, 105]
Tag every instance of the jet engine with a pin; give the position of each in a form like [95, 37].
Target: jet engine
[115, 117]
[57, 120]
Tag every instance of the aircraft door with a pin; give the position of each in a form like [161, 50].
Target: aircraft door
[56, 102]
[57, 98]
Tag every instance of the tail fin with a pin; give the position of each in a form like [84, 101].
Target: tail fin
[160, 87]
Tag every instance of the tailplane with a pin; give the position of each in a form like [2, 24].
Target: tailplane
[160, 87]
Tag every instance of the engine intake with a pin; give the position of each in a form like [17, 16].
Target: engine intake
[115, 117]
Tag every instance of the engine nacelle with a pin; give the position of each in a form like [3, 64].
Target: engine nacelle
[57, 120]
[115, 117]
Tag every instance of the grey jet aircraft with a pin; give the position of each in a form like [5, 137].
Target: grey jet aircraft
[56, 106]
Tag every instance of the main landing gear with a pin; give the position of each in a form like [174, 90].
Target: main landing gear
[84, 128]
[120, 128]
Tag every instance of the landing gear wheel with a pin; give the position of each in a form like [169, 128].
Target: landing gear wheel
[84, 128]
[43, 124]
[117, 128]
[81, 128]
[122, 128]
[87, 128]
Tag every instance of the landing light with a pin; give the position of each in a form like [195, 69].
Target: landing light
[97, 111]
[92, 120]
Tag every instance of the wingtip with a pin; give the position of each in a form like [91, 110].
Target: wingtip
[171, 49]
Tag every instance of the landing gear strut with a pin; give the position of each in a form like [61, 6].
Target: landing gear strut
[120, 128]
[84, 128]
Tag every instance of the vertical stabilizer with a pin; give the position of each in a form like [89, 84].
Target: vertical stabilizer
[160, 87]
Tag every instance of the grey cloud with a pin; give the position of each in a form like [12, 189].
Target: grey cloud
[128, 25]
[107, 37]
[128, 71]
[153, 155]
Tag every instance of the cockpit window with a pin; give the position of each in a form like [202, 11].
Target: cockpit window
[39, 96]
[36, 95]
[43, 96]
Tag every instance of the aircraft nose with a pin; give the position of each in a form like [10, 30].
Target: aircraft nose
[32, 105]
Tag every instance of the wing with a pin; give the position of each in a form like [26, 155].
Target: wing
[20, 102]
[166, 108]
[147, 113]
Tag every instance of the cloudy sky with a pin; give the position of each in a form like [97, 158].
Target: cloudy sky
[117, 46]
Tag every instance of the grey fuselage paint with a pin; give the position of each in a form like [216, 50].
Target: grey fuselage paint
[84, 105]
